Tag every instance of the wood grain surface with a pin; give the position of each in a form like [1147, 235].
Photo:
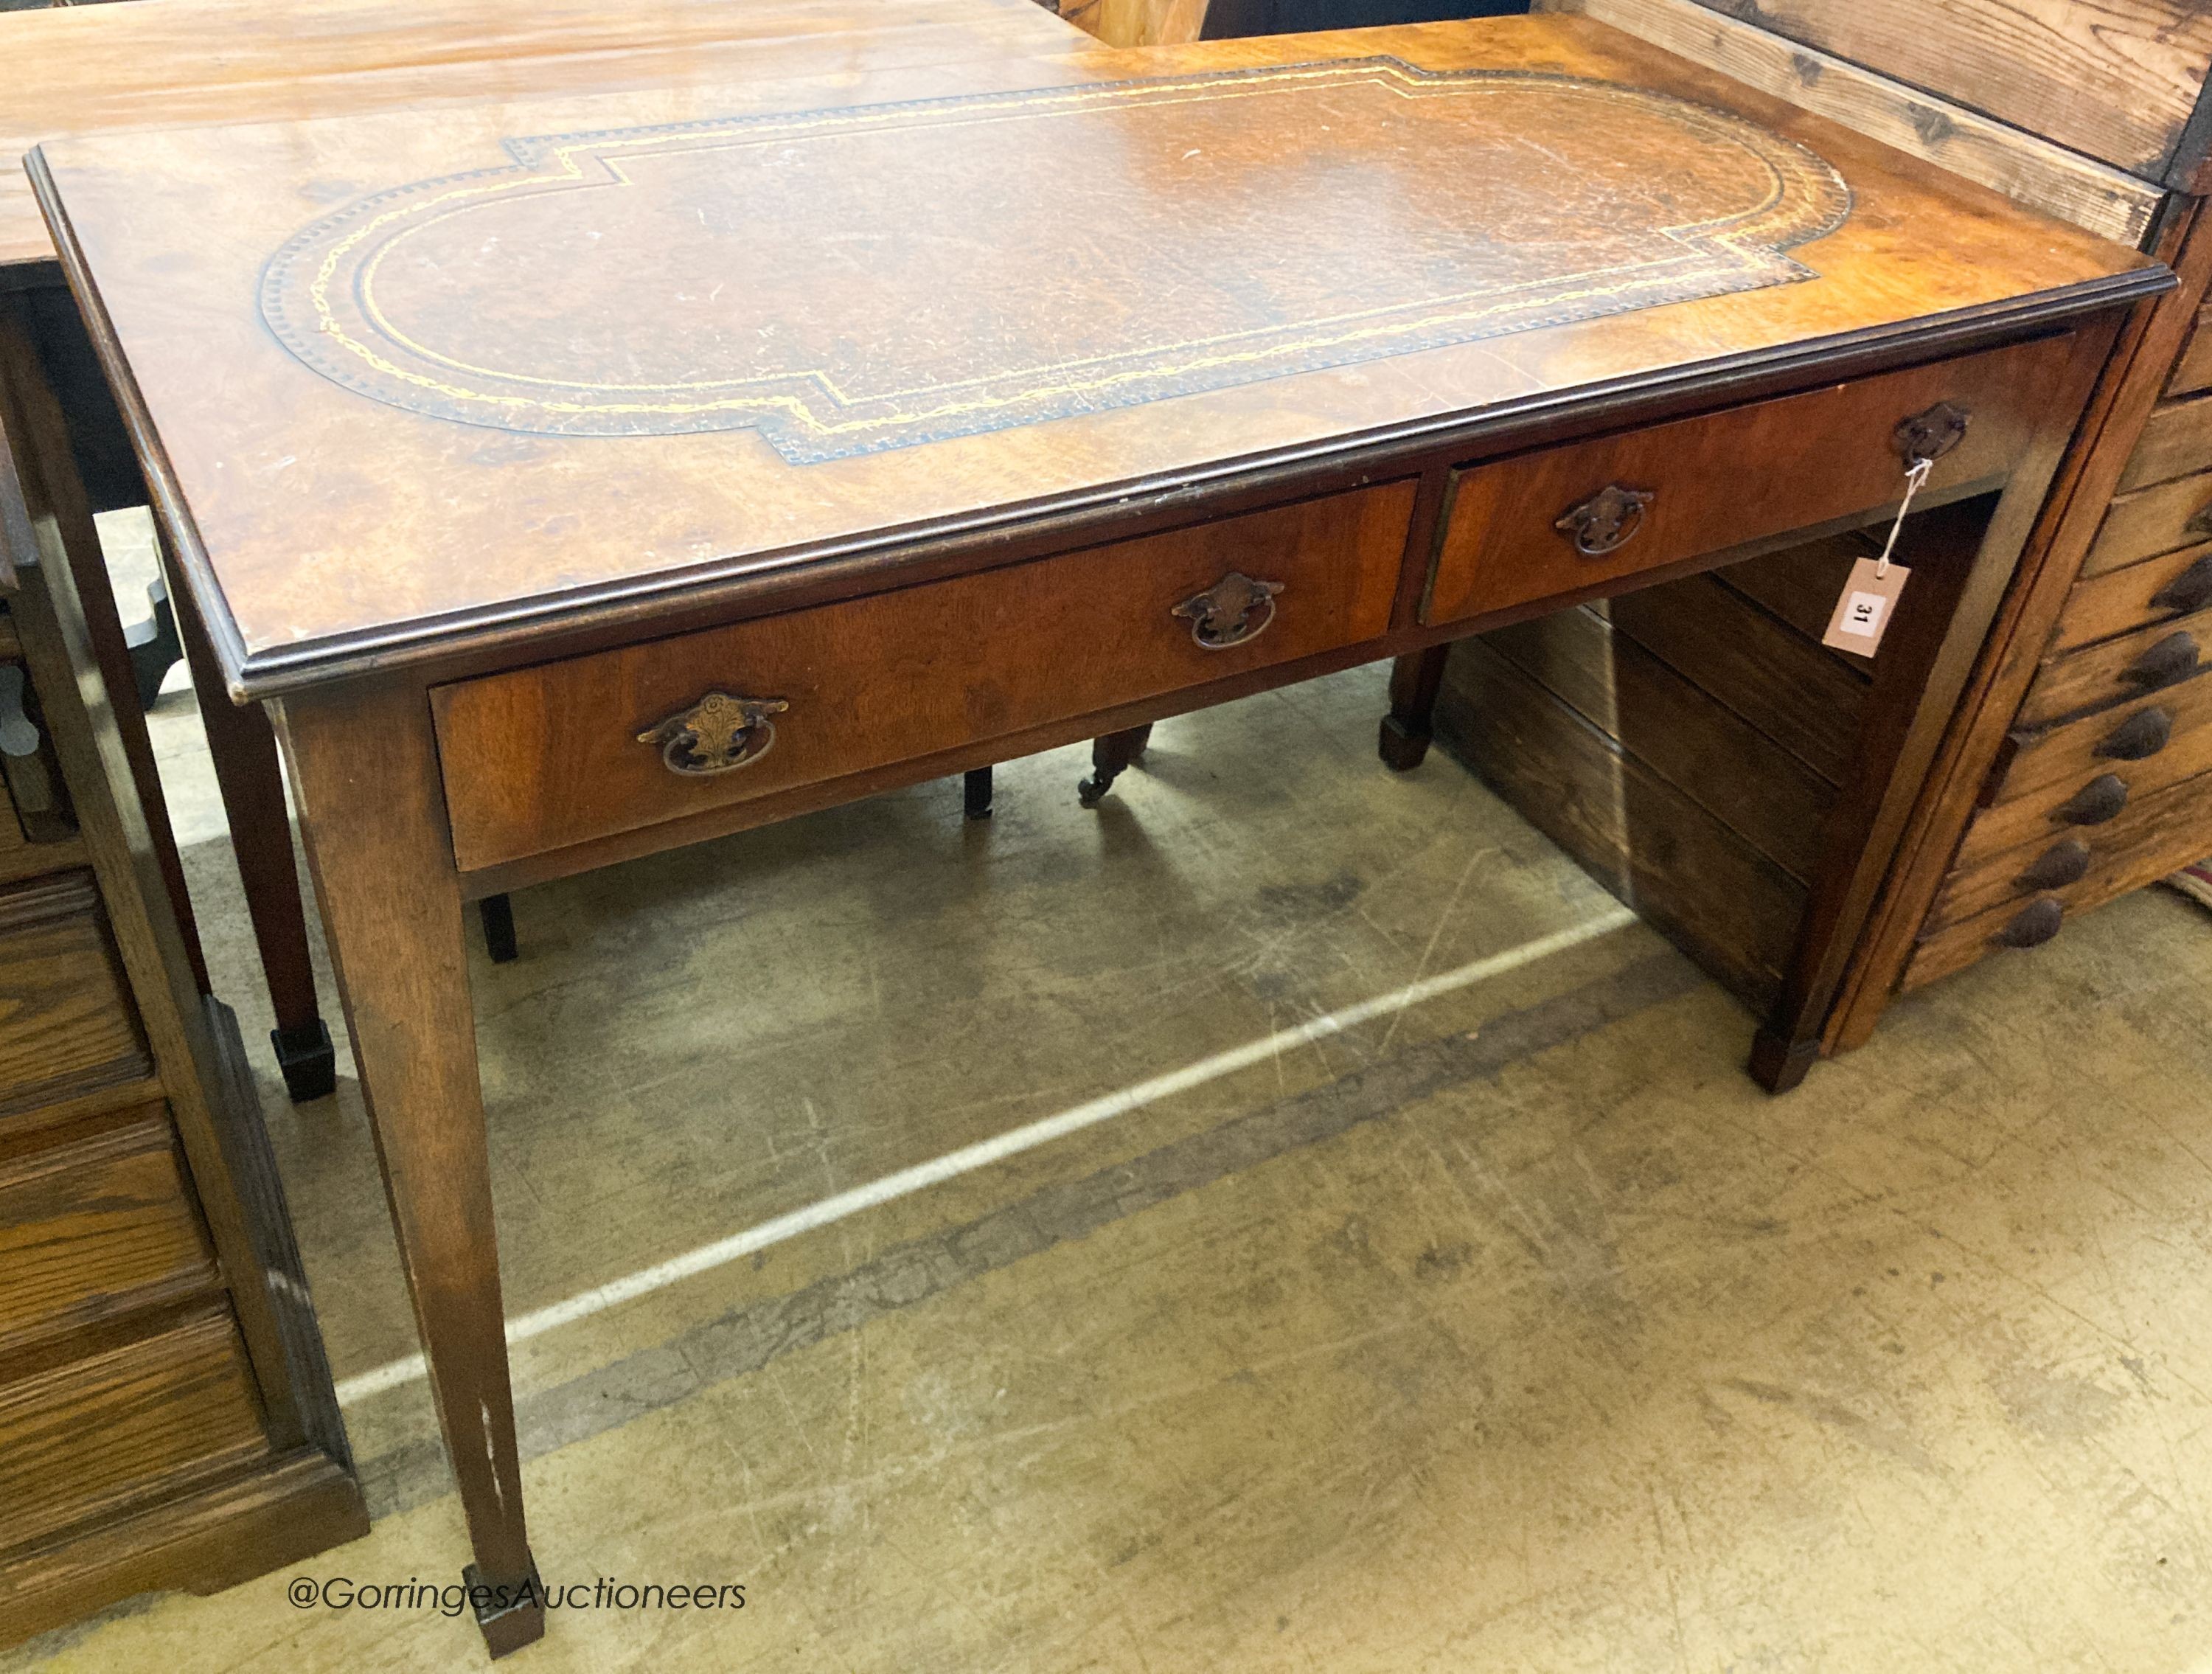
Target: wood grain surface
[2119, 601]
[549, 756]
[2152, 520]
[2177, 441]
[2023, 165]
[2118, 79]
[2117, 669]
[66, 1022]
[1742, 475]
[1705, 750]
[138, 66]
[151, 1416]
[339, 528]
[95, 1226]
[2081, 749]
[1732, 910]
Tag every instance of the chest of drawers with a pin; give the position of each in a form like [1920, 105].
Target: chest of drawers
[165, 1416]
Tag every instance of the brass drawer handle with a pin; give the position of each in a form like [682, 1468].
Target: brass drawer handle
[716, 733]
[1608, 521]
[2142, 733]
[1926, 437]
[2099, 800]
[2032, 927]
[2173, 658]
[2061, 864]
[2191, 590]
[1234, 610]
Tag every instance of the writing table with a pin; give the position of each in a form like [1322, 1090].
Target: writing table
[576, 478]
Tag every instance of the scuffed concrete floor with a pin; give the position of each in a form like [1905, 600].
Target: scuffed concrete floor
[1513, 1331]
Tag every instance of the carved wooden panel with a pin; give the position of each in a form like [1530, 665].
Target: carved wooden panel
[767, 272]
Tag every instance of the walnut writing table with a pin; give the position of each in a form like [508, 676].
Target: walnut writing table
[576, 478]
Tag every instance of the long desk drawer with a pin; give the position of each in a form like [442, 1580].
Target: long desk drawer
[1580, 518]
[541, 757]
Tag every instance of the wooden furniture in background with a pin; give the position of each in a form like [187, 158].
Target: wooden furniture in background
[627, 595]
[166, 1419]
[2077, 769]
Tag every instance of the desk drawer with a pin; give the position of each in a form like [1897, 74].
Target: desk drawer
[2169, 734]
[2018, 900]
[541, 757]
[2119, 602]
[2152, 520]
[1522, 529]
[2156, 833]
[66, 1023]
[2149, 660]
[149, 1418]
[95, 1227]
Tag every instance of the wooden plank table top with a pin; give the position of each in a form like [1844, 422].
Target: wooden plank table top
[155, 63]
[389, 456]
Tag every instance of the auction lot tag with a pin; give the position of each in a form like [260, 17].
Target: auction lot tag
[1863, 613]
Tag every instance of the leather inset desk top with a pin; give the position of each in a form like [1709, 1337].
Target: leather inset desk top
[1128, 275]
[769, 272]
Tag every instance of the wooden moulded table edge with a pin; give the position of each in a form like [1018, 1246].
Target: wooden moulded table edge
[820, 571]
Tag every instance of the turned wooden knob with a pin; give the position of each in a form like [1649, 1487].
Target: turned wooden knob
[2099, 800]
[2191, 590]
[2173, 658]
[2143, 734]
[2061, 864]
[2032, 927]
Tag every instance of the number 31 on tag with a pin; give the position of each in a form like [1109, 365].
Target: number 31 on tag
[1863, 613]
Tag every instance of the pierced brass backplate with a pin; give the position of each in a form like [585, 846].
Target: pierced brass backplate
[716, 733]
[1233, 610]
[1608, 521]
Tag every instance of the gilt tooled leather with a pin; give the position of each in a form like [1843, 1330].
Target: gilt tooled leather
[856, 279]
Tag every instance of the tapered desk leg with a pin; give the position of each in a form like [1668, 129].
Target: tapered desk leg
[1414, 682]
[365, 770]
[251, 779]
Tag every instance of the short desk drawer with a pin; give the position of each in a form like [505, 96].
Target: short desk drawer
[539, 758]
[1571, 520]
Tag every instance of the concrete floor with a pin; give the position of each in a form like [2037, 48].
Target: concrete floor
[1510, 1329]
